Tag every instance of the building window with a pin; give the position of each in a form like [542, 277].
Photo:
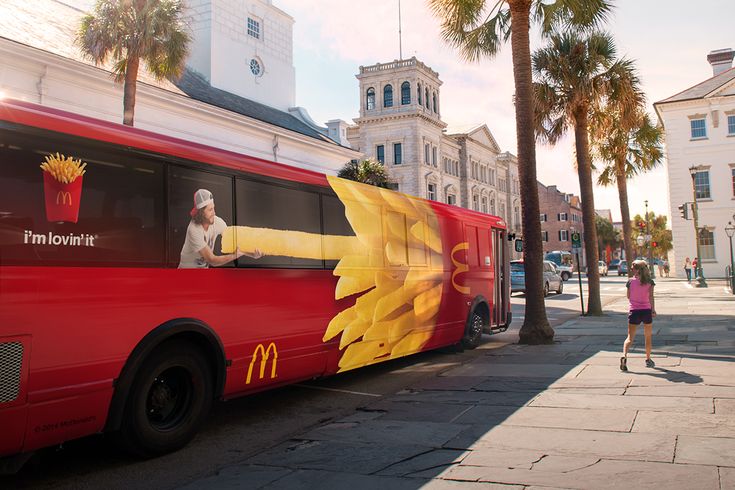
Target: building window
[502, 210]
[370, 99]
[563, 235]
[492, 206]
[562, 216]
[456, 168]
[433, 155]
[253, 28]
[388, 96]
[397, 154]
[733, 181]
[475, 206]
[543, 217]
[451, 199]
[701, 184]
[698, 128]
[418, 93]
[380, 153]
[427, 154]
[544, 236]
[405, 93]
[706, 244]
[431, 192]
[516, 216]
[492, 176]
[426, 93]
[484, 204]
[436, 109]
[731, 125]
[503, 185]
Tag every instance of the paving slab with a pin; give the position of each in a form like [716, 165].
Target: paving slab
[554, 371]
[233, 477]
[431, 462]
[653, 403]
[727, 478]
[715, 425]
[573, 418]
[565, 442]
[458, 485]
[417, 411]
[329, 480]
[354, 457]
[716, 451]
[387, 433]
[451, 383]
[725, 406]
[683, 389]
[515, 399]
[486, 415]
[603, 475]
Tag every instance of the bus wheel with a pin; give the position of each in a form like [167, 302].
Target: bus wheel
[473, 331]
[168, 401]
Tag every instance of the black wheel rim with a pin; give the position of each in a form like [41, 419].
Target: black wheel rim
[169, 398]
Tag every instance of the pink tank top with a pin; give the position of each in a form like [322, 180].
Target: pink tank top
[640, 298]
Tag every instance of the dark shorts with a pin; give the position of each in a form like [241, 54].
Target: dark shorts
[636, 317]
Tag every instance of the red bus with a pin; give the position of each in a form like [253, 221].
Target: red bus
[129, 302]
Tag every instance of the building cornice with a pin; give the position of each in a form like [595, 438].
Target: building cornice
[398, 116]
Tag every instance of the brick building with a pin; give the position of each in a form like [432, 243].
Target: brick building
[561, 214]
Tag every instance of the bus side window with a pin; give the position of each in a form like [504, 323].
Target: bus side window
[265, 205]
[473, 252]
[417, 237]
[182, 184]
[335, 222]
[395, 236]
[484, 248]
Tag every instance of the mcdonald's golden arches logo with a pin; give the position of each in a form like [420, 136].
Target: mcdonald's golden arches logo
[264, 356]
[62, 196]
[460, 267]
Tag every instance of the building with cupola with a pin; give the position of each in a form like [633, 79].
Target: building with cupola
[400, 125]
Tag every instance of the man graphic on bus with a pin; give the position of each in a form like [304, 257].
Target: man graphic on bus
[204, 228]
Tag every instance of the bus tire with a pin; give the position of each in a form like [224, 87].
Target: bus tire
[168, 401]
[473, 331]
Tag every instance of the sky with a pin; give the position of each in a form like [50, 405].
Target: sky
[668, 39]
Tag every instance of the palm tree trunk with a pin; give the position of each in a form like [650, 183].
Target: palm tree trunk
[584, 169]
[536, 328]
[131, 79]
[624, 212]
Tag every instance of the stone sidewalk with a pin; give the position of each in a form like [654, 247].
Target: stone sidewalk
[554, 416]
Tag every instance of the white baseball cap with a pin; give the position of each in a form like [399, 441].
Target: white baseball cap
[202, 197]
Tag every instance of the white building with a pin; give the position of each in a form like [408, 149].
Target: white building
[237, 92]
[400, 125]
[700, 132]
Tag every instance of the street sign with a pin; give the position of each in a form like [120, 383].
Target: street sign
[576, 240]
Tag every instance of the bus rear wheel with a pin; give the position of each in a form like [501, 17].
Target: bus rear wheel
[473, 331]
[168, 401]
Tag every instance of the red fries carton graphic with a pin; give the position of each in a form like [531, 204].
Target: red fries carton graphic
[62, 186]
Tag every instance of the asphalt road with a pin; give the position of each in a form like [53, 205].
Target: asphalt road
[241, 428]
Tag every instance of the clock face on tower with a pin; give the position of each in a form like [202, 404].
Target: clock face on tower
[255, 67]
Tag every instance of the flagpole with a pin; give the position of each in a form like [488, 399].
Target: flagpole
[400, 39]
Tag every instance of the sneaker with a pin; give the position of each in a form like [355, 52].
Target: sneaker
[623, 364]
[649, 363]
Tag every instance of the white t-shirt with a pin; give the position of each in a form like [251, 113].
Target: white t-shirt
[196, 240]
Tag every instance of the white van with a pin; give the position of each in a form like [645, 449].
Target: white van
[563, 261]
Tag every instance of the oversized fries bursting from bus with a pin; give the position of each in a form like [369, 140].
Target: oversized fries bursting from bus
[393, 265]
[62, 168]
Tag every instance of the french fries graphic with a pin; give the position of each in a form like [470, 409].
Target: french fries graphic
[393, 265]
[62, 168]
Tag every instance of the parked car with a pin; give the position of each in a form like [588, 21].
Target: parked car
[563, 262]
[602, 268]
[623, 268]
[613, 265]
[552, 278]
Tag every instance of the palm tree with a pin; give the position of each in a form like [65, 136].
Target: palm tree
[367, 171]
[629, 143]
[129, 31]
[479, 28]
[575, 73]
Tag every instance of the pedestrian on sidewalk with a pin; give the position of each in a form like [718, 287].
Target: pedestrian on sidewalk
[688, 269]
[642, 310]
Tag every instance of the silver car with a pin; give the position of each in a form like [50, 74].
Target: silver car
[552, 278]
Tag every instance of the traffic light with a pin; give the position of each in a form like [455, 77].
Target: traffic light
[654, 244]
[684, 210]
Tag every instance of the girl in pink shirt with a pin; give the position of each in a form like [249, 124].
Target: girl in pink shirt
[642, 310]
